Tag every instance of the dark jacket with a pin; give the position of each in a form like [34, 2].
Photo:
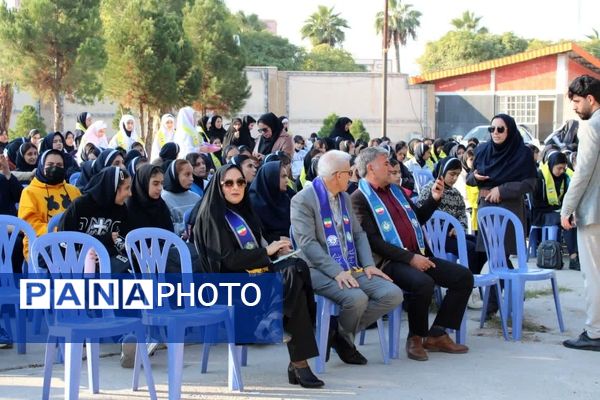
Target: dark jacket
[384, 252]
[10, 193]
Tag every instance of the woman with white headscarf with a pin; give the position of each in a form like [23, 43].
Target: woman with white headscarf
[95, 134]
[187, 137]
[165, 134]
[126, 135]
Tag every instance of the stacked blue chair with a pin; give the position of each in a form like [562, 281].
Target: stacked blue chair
[10, 228]
[64, 255]
[54, 221]
[422, 177]
[73, 178]
[436, 230]
[493, 225]
[148, 249]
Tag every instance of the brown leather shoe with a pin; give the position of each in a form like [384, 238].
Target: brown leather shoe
[415, 350]
[444, 344]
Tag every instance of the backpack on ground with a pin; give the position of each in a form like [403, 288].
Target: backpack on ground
[549, 255]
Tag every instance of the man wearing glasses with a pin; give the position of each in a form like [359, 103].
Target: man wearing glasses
[337, 250]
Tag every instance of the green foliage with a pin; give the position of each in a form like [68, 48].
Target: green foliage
[248, 23]
[468, 22]
[27, 120]
[262, 48]
[326, 58]
[211, 29]
[324, 27]
[359, 131]
[458, 48]
[328, 124]
[150, 61]
[403, 22]
[118, 114]
[53, 48]
[593, 44]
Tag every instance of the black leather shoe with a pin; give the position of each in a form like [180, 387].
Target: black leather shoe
[574, 264]
[347, 352]
[583, 342]
[303, 377]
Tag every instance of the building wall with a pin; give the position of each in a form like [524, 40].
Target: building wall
[471, 82]
[537, 74]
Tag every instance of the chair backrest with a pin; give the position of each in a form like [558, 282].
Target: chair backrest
[64, 255]
[294, 244]
[437, 229]
[422, 177]
[493, 225]
[53, 223]
[73, 179]
[10, 228]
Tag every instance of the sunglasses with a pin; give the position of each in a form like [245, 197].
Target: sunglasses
[263, 130]
[241, 182]
[500, 129]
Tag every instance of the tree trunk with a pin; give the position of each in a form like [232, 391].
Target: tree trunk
[149, 132]
[397, 48]
[58, 110]
[6, 104]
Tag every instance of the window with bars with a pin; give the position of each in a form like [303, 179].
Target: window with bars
[522, 108]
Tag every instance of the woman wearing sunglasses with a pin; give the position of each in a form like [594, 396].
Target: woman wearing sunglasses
[229, 238]
[504, 171]
[272, 137]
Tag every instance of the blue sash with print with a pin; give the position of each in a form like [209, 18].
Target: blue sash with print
[241, 230]
[334, 246]
[384, 219]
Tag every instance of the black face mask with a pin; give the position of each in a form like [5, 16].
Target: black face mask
[55, 175]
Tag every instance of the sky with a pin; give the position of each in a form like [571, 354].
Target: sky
[546, 20]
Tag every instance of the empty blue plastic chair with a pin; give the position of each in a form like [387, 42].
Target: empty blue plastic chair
[74, 177]
[148, 249]
[493, 225]
[10, 228]
[437, 229]
[53, 223]
[64, 255]
[422, 177]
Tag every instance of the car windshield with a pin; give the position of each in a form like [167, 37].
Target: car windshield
[481, 133]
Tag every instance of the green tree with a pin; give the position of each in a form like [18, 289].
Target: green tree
[211, 29]
[328, 124]
[324, 27]
[27, 120]
[459, 48]
[359, 131]
[249, 23]
[402, 25]
[326, 58]
[150, 61]
[468, 22]
[53, 48]
[262, 48]
[593, 44]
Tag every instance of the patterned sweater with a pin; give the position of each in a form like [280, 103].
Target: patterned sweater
[452, 202]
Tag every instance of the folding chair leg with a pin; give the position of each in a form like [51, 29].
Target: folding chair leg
[517, 308]
[72, 369]
[48, 364]
[142, 352]
[175, 362]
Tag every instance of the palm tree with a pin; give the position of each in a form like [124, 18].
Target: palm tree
[468, 22]
[594, 36]
[324, 27]
[403, 22]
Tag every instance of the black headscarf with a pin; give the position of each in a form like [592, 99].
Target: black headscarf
[69, 149]
[555, 159]
[270, 204]
[437, 145]
[445, 165]
[213, 132]
[210, 227]
[265, 146]
[149, 212]
[339, 129]
[229, 136]
[420, 151]
[87, 171]
[40, 173]
[454, 150]
[105, 159]
[48, 141]
[81, 119]
[208, 161]
[172, 183]
[449, 146]
[91, 149]
[130, 155]
[103, 186]
[245, 136]
[510, 161]
[21, 163]
[169, 151]
[411, 146]
[463, 161]
[12, 149]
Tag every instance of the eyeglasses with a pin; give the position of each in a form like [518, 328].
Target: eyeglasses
[263, 130]
[349, 172]
[241, 182]
[500, 129]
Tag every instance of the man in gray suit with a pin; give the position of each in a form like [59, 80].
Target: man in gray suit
[337, 250]
[583, 200]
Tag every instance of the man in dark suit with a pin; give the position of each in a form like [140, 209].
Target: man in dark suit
[393, 226]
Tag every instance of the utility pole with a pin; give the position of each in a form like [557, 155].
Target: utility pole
[384, 83]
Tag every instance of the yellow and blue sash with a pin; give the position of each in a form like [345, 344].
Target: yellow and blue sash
[384, 219]
[334, 246]
[244, 236]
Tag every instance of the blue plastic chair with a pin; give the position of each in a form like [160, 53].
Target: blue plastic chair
[436, 230]
[493, 225]
[149, 247]
[422, 177]
[10, 228]
[64, 255]
[53, 223]
[73, 179]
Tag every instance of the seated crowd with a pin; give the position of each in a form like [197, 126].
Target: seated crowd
[354, 209]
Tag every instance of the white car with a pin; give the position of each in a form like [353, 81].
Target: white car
[482, 134]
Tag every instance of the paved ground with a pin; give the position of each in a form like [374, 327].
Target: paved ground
[539, 367]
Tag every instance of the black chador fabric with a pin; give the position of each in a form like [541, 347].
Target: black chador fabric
[265, 146]
[149, 212]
